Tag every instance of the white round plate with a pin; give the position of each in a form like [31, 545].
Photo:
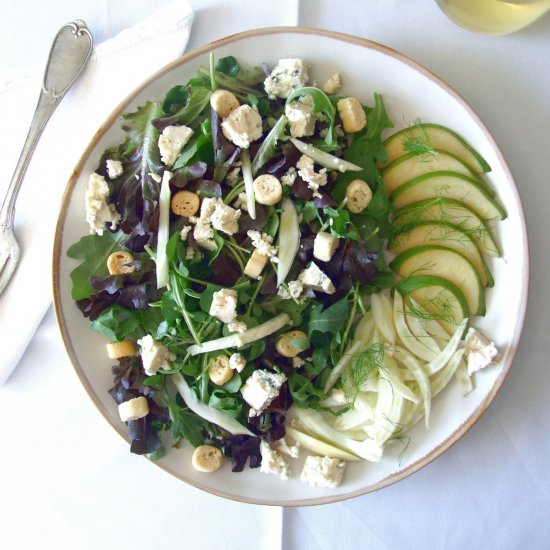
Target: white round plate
[409, 92]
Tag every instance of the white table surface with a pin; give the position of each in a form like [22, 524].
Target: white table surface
[72, 484]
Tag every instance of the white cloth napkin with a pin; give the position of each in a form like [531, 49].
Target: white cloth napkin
[115, 68]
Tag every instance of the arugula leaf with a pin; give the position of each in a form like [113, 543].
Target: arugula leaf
[272, 225]
[207, 296]
[320, 346]
[224, 401]
[321, 104]
[256, 350]
[241, 85]
[116, 322]
[93, 250]
[304, 393]
[341, 223]
[197, 99]
[186, 424]
[379, 206]
[260, 103]
[268, 148]
[331, 319]
[290, 307]
[152, 322]
[228, 65]
[175, 99]
[199, 149]
[309, 211]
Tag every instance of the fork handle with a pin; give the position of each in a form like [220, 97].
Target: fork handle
[66, 60]
[44, 109]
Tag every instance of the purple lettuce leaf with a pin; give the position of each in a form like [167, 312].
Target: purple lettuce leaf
[241, 449]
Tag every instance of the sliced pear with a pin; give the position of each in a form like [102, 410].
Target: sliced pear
[319, 447]
[452, 212]
[447, 263]
[449, 185]
[442, 234]
[427, 135]
[289, 239]
[441, 299]
[412, 165]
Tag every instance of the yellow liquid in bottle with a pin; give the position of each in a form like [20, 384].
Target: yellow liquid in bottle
[494, 16]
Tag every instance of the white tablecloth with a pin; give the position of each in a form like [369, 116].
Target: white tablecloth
[67, 479]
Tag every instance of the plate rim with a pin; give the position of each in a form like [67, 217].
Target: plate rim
[444, 445]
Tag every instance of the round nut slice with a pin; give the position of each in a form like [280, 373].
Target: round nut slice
[292, 343]
[134, 409]
[207, 458]
[223, 102]
[120, 262]
[219, 370]
[255, 265]
[185, 203]
[267, 189]
[359, 195]
[351, 112]
[116, 350]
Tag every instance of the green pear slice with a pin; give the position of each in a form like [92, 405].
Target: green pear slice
[318, 446]
[425, 136]
[442, 234]
[441, 299]
[452, 212]
[411, 165]
[449, 185]
[447, 263]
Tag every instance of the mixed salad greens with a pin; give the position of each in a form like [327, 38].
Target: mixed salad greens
[237, 267]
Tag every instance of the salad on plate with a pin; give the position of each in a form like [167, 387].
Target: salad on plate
[279, 281]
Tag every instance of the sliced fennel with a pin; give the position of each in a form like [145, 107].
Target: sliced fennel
[421, 378]
[363, 333]
[314, 424]
[324, 159]
[289, 239]
[406, 336]
[418, 362]
[383, 316]
[205, 411]
[420, 333]
[361, 413]
[390, 372]
[239, 340]
[432, 326]
[387, 415]
[163, 231]
[440, 380]
[248, 183]
[445, 356]
[464, 379]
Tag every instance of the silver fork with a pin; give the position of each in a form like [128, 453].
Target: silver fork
[70, 51]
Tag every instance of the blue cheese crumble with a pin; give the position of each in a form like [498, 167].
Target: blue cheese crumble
[287, 76]
[273, 462]
[261, 389]
[171, 142]
[154, 355]
[323, 471]
[99, 211]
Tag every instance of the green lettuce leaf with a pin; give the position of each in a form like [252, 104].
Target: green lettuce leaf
[93, 251]
[331, 319]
